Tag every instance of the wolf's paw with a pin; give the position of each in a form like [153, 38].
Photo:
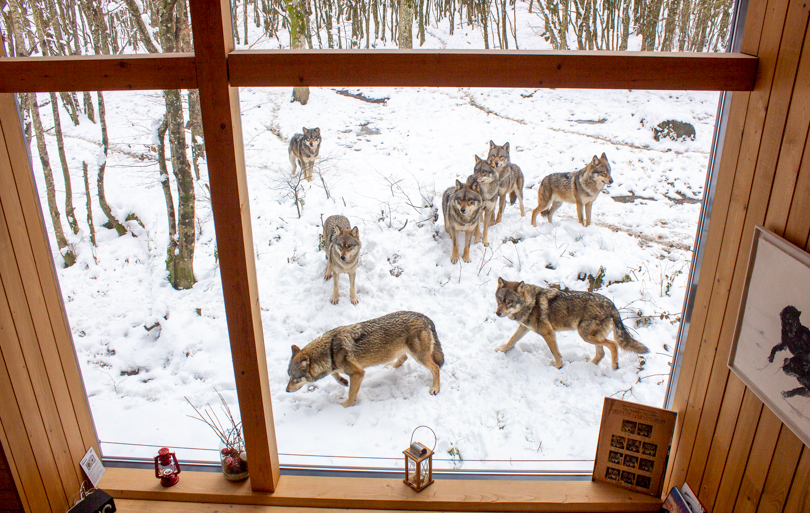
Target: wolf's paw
[347, 403]
[434, 390]
[486, 244]
[466, 258]
[334, 300]
[557, 365]
[327, 277]
[355, 300]
[453, 259]
[502, 349]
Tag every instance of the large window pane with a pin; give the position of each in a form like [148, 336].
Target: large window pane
[125, 199]
[385, 158]
[648, 25]
[95, 27]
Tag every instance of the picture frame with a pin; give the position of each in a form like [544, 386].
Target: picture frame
[770, 351]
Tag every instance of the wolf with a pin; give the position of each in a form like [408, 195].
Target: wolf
[461, 206]
[304, 148]
[350, 349]
[342, 246]
[489, 184]
[796, 339]
[546, 311]
[510, 179]
[581, 187]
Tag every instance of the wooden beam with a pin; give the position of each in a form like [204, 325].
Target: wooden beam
[529, 69]
[222, 131]
[98, 73]
[379, 493]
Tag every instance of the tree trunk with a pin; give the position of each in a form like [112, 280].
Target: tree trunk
[89, 205]
[112, 222]
[70, 211]
[298, 29]
[42, 149]
[405, 24]
[171, 250]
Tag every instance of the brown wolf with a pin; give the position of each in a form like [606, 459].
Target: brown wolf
[488, 182]
[350, 349]
[342, 246]
[461, 206]
[510, 178]
[546, 311]
[305, 148]
[581, 188]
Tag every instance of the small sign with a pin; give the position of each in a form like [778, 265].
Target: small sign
[633, 447]
[91, 464]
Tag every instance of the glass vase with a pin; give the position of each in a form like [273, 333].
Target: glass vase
[234, 462]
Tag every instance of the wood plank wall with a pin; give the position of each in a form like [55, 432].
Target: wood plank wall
[733, 451]
[45, 427]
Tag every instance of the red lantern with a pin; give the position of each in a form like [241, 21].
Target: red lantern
[167, 467]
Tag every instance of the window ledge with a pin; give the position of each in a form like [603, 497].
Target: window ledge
[375, 493]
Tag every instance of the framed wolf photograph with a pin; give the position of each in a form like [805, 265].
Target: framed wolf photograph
[770, 351]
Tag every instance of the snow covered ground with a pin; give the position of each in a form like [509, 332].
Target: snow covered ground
[384, 165]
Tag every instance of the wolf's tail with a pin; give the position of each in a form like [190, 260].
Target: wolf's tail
[512, 198]
[624, 339]
[438, 355]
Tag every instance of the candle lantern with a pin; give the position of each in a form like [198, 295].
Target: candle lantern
[419, 463]
[167, 467]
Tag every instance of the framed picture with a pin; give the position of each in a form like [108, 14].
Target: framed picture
[771, 348]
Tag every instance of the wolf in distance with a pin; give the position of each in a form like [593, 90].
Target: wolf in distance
[547, 311]
[581, 188]
[304, 148]
[461, 206]
[342, 246]
[488, 182]
[510, 178]
[350, 349]
[796, 339]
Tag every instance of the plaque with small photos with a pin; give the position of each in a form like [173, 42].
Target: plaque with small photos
[633, 447]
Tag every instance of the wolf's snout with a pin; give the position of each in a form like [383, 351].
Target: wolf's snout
[499, 313]
[463, 210]
[343, 257]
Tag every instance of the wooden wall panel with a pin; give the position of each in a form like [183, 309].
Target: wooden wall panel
[729, 447]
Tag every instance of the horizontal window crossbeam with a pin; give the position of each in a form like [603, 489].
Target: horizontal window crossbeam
[390, 68]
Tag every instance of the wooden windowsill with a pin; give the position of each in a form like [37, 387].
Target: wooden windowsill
[390, 494]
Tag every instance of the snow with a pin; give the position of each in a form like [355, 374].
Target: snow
[385, 167]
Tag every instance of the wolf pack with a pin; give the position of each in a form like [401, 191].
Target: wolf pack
[468, 207]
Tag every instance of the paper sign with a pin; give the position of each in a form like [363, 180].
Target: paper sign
[91, 464]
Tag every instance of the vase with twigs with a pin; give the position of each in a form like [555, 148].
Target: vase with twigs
[232, 453]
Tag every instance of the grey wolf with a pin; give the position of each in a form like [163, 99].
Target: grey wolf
[796, 339]
[510, 178]
[489, 184]
[581, 188]
[350, 349]
[342, 246]
[304, 148]
[461, 206]
[547, 311]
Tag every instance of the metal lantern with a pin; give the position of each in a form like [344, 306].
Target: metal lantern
[167, 467]
[419, 463]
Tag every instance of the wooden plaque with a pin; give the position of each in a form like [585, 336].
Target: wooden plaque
[633, 447]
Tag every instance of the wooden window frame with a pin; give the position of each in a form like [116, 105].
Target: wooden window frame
[217, 71]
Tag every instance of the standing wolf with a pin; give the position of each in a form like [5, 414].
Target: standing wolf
[304, 148]
[581, 188]
[350, 349]
[546, 311]
[488, 182]
[510, 178]
[461, 206]
[342, 246]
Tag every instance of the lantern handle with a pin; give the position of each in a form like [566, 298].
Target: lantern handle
[435, 439]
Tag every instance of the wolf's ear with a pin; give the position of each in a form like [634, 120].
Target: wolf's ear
[304, 130]
[604, 157]
[520, 288]
[317, 130]
[303, 365]
[355, 233]
[295, 350]
[335, 231]
[478, 159]
[506, 147]
[492, 145]
[475, 186]
[458, 184]
[595, 160]
[501, 283]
